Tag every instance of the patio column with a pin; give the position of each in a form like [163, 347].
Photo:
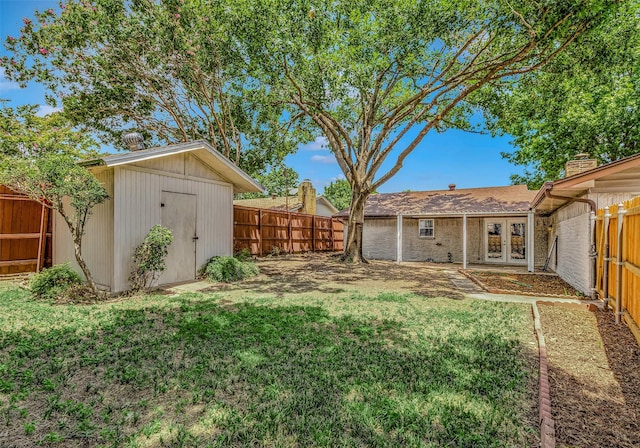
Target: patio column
[399, 239]
[531, 253]
[464, 241]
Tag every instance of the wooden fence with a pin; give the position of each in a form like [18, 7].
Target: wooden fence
[268, 231]
[25, 234]
[618, 243]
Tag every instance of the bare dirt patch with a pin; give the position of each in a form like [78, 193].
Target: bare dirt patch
[325, 273]
[534, 283]
[594, 379]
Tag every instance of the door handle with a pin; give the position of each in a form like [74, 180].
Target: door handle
[195, 238]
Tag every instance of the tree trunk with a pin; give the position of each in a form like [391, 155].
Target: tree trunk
[353, 247]
[77, 245]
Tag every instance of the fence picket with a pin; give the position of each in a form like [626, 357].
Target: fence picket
[629, 248]
[268, 231]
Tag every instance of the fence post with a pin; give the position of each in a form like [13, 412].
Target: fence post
[619, 263]
[260, 233]
[399, 238]
[313, 234]
[333, 243]
[605, 257]
[593, 254]
[290, 236]
[43, 237]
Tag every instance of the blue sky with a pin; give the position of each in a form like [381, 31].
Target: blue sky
[465, 159]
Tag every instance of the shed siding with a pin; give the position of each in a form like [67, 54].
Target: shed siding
[97, 243]
[137, 209]
[195, 168]
[182, 164]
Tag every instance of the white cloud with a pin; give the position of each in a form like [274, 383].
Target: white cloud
[319, 144]
[6, 84]
[324, 159]
[45, 109]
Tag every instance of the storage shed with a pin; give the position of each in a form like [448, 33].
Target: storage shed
[187, 187]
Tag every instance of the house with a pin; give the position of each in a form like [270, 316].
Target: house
[569, 206]
[305, 201]
[187, 187]
[492, 225]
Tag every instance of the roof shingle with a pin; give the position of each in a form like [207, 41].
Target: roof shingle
[515, 198]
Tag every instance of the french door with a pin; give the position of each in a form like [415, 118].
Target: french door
[505, 240]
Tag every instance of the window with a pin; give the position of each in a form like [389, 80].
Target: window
[426, 228]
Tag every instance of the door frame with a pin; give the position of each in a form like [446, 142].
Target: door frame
[505, 239]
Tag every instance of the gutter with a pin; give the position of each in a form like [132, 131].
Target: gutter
[593, 253]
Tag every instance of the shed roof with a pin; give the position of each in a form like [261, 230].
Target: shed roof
[490, 200]
[242, 182]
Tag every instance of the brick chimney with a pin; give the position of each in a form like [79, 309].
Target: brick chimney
[580, 163]
[307, 197]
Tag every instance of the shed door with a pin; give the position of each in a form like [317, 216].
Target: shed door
[179, 215]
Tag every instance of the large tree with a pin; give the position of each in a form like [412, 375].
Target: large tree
[376, 76]
[172, 69]
[279, 180]
[39, 159]
[585, 101]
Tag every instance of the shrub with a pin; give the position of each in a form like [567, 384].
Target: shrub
[229, 269]
[53, 282]
[149, 258]
[243, 255]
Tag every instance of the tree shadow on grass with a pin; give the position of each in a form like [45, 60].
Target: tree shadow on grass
[205, 375]
[329, 276]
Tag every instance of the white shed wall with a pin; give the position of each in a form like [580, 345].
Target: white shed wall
[97, 243]
[137, 208]
[183, 164]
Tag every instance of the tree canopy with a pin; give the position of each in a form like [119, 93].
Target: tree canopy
[587, 100]
[376, 76]
[173, 70]
[339, 193]
[279, 180]
[24, 132]
[39, 159]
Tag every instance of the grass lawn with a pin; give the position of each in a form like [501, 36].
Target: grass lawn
[253, 369]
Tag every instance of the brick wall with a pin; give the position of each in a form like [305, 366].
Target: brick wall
[541, 236]
[573, 252]
[380, 240]
[447, 239]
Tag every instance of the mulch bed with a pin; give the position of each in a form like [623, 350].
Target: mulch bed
[531, 284]
[594, 378]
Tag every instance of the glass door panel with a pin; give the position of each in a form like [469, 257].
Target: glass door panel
[495, 248]
[517, 242]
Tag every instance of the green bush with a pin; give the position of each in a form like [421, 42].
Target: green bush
[229, 269]
[53, 282]
[149, 258]
[243, 255]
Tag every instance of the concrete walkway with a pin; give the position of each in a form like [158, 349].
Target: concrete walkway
[473, 291]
